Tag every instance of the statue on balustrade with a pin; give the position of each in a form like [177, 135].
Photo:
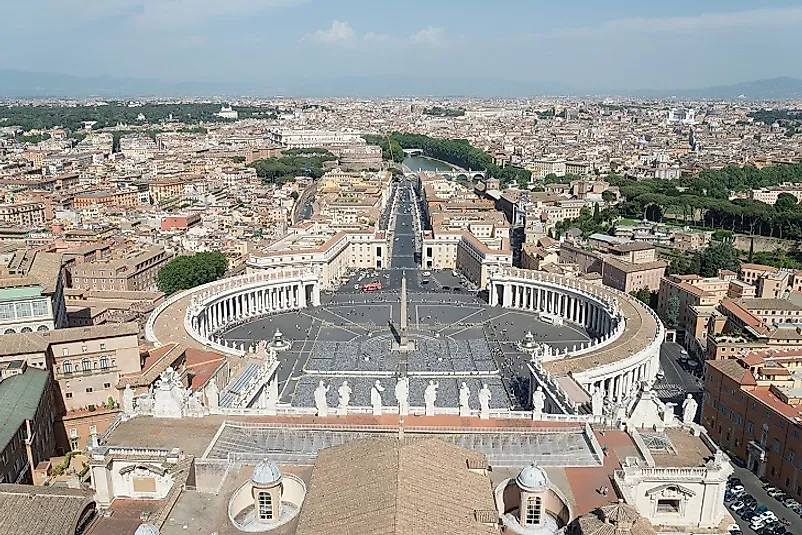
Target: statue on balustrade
[430, 397]
[344, 393]
[321, 403]
[689, 407]
[376, 398]
[464, 397]
[402, 395]
[538, 402]
[484, 402]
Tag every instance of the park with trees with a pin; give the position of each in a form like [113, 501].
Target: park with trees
[293, 163]
[188, 271]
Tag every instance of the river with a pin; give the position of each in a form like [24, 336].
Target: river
[426, 164]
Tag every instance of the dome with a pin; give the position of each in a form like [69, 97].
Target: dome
[533, 479]
[147, 529]
[266, 474]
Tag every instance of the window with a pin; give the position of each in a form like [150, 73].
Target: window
[89, 390]
[106, 385]
[750, 428]
[265, 502]
[67, 366]
[103, 347]
[83, 349]
[533, 511]
[670, 507]
[104, 362]
[93, 430]
[68, 395]
[86, 365]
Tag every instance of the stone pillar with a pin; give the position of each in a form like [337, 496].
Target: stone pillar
[301, 295]
[507, 295]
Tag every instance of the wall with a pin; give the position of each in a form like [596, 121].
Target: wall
[765, 244]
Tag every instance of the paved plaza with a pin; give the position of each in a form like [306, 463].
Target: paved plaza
[349, 337]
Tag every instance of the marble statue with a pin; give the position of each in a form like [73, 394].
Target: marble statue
[430, 396]
[169, 397]
[538, 403]
[484, 402]
[344, 393]
[689, 407]
[402, 395]
[128, 400]
[212, 395]
[464, 397]
[376, 397]
[597, 401]
[321, 403]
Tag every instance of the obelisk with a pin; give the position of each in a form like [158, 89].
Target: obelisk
[403, 341]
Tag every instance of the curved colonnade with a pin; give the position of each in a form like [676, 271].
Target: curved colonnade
[625, 335]
[206, 311]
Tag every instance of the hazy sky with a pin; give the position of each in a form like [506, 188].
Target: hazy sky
[585, 43]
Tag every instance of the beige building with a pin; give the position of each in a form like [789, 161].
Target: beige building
[28, 215]
[136, 270]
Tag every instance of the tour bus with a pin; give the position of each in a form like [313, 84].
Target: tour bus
[551, 319]
[373, 286]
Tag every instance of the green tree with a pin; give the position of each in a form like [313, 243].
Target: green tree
[716, 257]
[672, 312]
[294, 195]
[785, 202]
[608, 196]
[643, 295]
[185, 272]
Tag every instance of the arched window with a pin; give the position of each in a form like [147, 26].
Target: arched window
[265, 506]
[104, 362]
[26, 330]
[9, 331]
[42, 328]
[533, 505]
[67, 366]
[86, 365]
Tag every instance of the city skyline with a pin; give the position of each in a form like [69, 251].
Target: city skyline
[276, 44]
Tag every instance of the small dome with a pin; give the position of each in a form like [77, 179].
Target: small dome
[266, 474]
[147, 529]
[533, 479]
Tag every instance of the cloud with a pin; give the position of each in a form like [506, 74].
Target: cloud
[432, 35]
[339, 32]
[763, 17]
[374, 37]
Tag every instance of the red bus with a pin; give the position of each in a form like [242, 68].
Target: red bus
[371, 287]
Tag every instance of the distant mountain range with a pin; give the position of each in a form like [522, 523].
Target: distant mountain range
[22, 84]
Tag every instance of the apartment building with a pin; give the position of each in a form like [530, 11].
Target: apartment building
[770, 195]
[305, 139]
[752, 405]
[125, 198]
[24, 214]
[136, 270]
[624, 265]
[27, 414]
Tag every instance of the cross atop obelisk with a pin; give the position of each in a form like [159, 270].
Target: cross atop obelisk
[403, 342]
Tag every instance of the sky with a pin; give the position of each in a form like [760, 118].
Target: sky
[591, 44]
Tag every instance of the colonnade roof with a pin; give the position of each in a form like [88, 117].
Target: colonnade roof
[639, 330]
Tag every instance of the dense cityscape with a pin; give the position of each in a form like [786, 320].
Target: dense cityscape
[552, 315]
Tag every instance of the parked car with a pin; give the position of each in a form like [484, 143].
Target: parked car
[791, 503]
[757, 524]
[737, 506]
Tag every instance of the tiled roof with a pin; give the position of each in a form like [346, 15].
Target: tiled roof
[733, 369]
[386, 486]
[41, 510]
